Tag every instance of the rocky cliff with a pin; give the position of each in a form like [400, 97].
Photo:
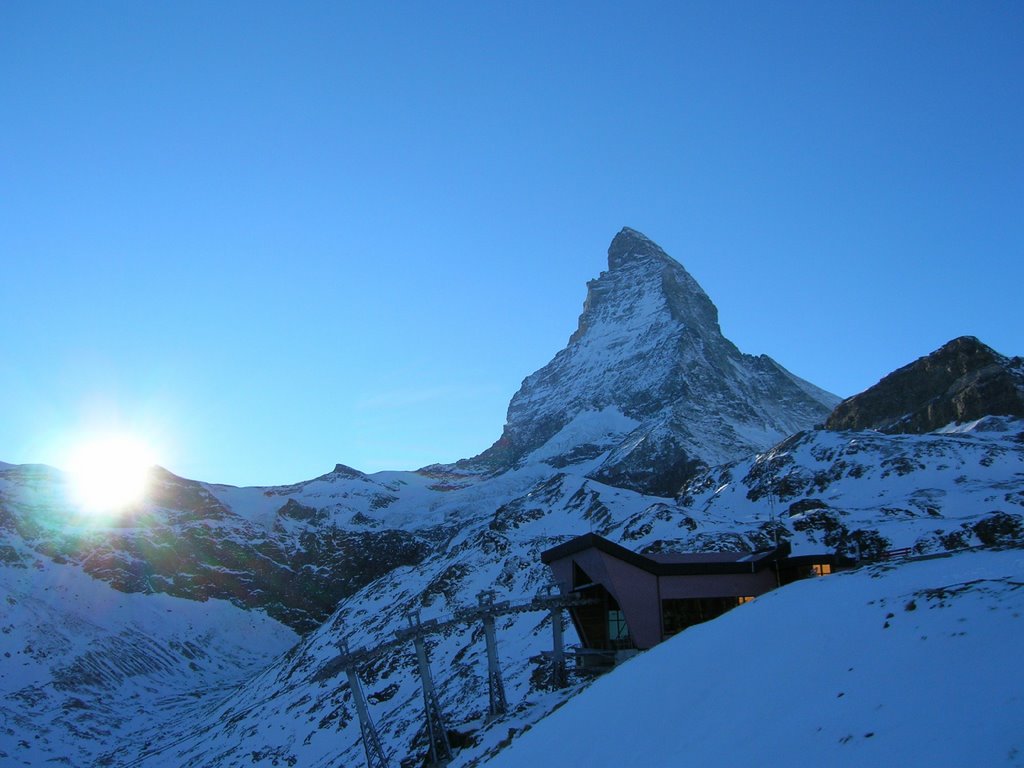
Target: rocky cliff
[961, 381]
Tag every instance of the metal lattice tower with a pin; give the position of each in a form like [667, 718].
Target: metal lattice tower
[487, 610]
[554, 604]
[497, 703]
[559, 678]
[437, 730]
[375, 756]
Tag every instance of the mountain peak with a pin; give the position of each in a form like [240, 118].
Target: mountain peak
[648, 380]
[641, 281]
[628, 245]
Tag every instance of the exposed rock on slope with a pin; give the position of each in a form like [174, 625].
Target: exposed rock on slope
[961, 381]
[649, 385]
[296, 563]
[871, 491]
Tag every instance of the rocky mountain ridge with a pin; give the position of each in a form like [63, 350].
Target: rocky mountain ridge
[294, 560]
[961, 381]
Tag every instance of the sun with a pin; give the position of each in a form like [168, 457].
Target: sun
[109, 472]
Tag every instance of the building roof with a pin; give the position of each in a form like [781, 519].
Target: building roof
[665, 564]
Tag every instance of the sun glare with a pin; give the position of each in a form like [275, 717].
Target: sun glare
[109, 472]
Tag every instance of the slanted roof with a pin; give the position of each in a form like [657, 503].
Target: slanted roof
[665, 564]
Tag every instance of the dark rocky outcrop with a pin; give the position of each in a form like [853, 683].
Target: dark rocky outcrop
[962, 381]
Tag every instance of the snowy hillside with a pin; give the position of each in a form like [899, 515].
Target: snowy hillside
[908, 664]
[85, 666]
[943, 490]
[498, 547]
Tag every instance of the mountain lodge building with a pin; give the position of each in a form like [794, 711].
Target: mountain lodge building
[640, 600]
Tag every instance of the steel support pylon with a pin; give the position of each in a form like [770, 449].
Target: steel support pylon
[375, 756]
[497, 704]
[437, 731]
[559, 678]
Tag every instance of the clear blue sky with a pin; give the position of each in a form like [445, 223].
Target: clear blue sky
[277, 236]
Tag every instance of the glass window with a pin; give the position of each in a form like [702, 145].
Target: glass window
[678, 614]
[617, 629]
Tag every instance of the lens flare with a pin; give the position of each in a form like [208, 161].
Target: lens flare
[109, 472]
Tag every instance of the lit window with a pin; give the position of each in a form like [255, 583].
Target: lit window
[821, 569]
[742, 600]
[617, 629]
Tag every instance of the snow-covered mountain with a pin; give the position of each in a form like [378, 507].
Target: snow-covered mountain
[647, 395]
[649, 383]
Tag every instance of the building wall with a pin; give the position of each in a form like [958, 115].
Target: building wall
[639, 593]
[635, 590]
[724, 585]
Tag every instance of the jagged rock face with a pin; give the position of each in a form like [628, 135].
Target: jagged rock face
[649, 359]
[962, 381]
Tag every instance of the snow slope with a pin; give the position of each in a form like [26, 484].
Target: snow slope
[915, 664]
[85, 666]
[827, 489]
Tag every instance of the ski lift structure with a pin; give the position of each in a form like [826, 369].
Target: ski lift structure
[487, 610]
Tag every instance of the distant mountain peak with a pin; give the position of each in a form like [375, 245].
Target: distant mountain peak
[647, 380]
[628, 245]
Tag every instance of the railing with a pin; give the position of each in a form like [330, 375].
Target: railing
[895, 554]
